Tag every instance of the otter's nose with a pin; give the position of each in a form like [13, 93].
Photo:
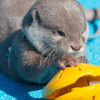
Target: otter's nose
[76, 47]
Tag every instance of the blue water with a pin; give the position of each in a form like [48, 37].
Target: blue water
[12, 90]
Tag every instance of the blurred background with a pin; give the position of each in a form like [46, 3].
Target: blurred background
[93, 47]
[12, 90]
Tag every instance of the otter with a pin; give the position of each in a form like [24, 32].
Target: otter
[53, 35]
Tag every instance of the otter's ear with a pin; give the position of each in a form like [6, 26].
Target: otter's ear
[31, 17]
[36, 16]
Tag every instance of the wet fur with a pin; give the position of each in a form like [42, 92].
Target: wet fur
[28, 59]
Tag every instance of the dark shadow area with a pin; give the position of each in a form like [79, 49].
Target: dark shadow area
[94, 26]
[17, 89]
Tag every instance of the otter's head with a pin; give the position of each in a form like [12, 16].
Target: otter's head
[58, 25]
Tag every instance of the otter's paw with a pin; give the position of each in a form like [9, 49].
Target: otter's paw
[67, 60]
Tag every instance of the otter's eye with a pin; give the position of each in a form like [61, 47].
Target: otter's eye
[61, 33]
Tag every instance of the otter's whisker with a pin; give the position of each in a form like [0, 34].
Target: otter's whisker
[45, 59]
[45, 50]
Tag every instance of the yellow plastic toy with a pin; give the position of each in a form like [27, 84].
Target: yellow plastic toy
[75, 83]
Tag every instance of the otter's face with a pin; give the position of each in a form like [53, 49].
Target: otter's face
[61, 28]
[64, 42]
